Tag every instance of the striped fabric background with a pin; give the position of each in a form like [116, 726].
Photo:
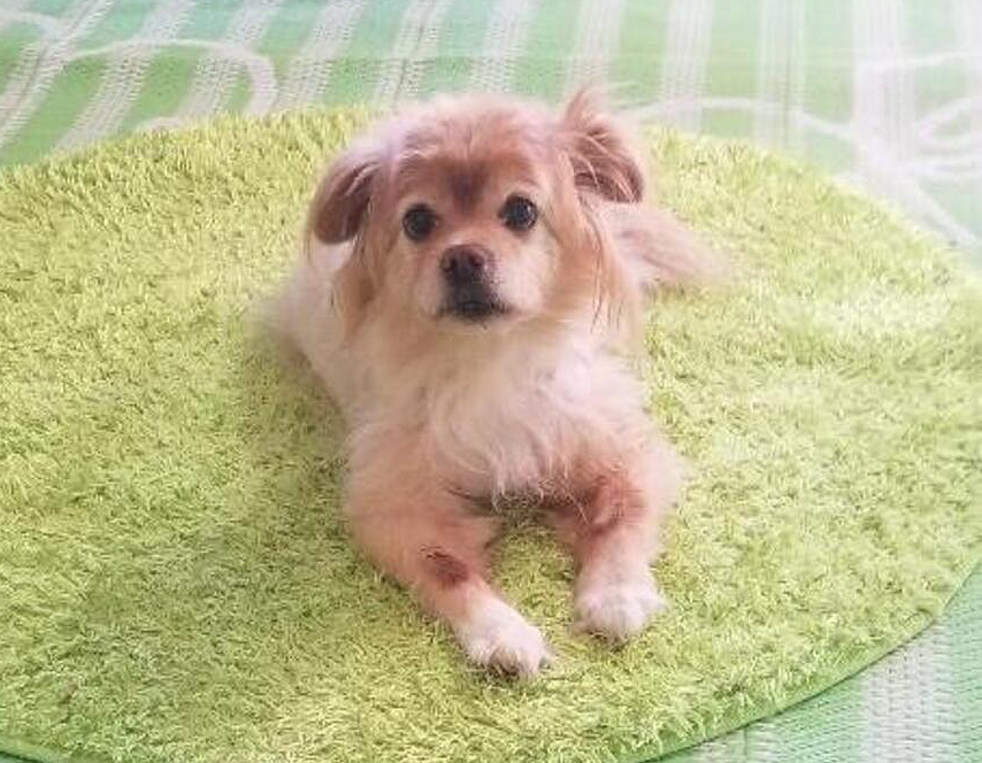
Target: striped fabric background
[886, 94]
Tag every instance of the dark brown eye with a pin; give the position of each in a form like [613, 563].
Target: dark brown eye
[418, 222]
[518, 213]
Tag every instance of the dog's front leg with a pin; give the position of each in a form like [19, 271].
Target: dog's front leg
[610, 521]
[428, 540]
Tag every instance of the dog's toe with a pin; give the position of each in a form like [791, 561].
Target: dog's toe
[500, 639]
[619, 609]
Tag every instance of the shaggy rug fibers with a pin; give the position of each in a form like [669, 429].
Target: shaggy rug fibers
[175, 583]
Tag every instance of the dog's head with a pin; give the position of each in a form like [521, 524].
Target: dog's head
[474, 213]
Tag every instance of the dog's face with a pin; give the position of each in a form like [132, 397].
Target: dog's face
[476, 214]
[471, 213]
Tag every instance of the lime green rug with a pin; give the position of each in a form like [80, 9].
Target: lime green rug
[174, 581]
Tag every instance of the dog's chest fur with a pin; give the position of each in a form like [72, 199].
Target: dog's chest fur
[518, 414]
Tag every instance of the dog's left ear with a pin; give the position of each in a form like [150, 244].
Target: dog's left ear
[341, 202]
[599, 152]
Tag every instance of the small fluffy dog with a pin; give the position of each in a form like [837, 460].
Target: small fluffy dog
[472, 277]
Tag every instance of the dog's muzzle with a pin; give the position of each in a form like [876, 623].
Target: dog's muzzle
[468, 275]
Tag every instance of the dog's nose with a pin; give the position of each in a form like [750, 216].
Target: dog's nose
[464, 264]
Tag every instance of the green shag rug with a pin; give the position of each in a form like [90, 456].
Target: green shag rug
[175, 584]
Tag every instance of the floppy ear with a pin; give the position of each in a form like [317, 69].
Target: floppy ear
[337, 214]
[599, 152]
[341, 201]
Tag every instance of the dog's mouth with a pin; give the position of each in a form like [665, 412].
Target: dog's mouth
[474, 308]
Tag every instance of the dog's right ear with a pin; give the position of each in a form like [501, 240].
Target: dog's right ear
[338, 214]
[342, 199]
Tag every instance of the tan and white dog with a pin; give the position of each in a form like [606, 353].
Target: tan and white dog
[471, 273]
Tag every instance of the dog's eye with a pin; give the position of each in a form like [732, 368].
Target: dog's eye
[518, 213]
[418, 222]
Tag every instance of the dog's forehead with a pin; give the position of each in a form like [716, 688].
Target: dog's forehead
[466, 160]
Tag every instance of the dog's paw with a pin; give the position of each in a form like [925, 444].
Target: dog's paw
[496, 637]
[617, 609]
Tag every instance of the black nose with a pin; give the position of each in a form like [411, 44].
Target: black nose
[464, 264]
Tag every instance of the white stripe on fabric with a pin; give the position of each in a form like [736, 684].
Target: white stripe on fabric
[726, 749]
[968, 18]
[310, 69]
[883, 96]
[13, 13]
[13, 7]
[683, 74]
[504, 39]
[908, 704]
[797, 74]
[39, 64]
[770, 39]
[901, 107]
[417, 39]
[215, 76]
[597, 34]
[780, 72]
[123, 76]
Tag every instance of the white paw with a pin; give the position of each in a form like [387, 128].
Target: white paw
[617, 609]
[495, 636]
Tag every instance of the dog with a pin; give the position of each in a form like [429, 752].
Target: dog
[474, 272]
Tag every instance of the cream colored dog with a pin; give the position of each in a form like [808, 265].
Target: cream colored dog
[471, 274]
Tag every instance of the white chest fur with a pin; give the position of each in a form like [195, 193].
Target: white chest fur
[510, 414]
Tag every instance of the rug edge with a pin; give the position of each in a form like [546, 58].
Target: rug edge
[866, 660]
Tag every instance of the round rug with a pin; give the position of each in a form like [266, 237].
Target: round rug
[175, 583]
